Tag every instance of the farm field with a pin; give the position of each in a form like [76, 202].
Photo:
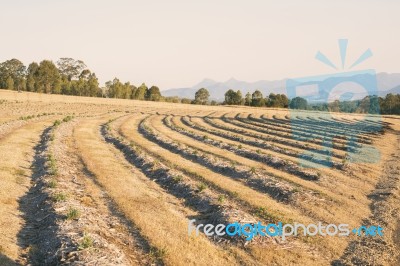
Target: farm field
[92, 181]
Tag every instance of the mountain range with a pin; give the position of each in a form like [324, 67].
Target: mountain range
[386, 82]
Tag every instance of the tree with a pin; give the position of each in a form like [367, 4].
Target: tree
[66, 86]
[277, 100]
[10, 83]
[257, 99]
[370, 104]
[133, 91]
[70, 67]
[85, 74]
[186, 101]
[239, 98]
[171, 99]
[233, 98]
[126, 91]
[201, 96]
[153, 94]
[298, 103]
[32, 76]
[48, 77]
[12, 69]
[247, 100]
[141, 92]
[229, 97]
[115, 88]
[93, 86]
[334, 106]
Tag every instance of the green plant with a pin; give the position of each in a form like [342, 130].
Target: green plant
[73, 214]
[201, 187]
[56, 123]
[295, 190]
[86, 242]
[59, 197]
[157, 253]
[67, 118]
[156, 165]
[234, 194]
[221, 198]
[253, 170]
[177, 178]
[52, 183]
[52, 164]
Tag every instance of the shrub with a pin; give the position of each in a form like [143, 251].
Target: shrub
[253, 170]
[73, 214]
[52, 183]
[52, 164]
[67, 118]
[56, 123]
[177, 178]
[221, 198]
[87, 242]
[157, 253]
[201, 187]
[234, 194]
[59, 197]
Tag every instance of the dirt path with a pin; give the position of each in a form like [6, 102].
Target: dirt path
[17, 150]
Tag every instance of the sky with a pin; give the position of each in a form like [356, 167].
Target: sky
[178, 43]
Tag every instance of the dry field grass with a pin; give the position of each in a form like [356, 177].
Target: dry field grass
[87, 181]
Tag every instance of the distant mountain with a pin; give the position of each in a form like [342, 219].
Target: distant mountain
[386, 83]
[395, 90]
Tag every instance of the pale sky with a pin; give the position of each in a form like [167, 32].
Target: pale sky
[177, 43]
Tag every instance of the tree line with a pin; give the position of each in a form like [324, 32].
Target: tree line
[390, 104]
[72, 77]
[69, 77]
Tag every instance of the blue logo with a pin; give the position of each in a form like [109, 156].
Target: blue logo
[368, 231]
[331, 93]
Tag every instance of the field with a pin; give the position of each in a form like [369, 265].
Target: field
[115, 182]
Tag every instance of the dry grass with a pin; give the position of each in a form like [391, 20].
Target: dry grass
[104, 180]
[16, 167]
[149, 208]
